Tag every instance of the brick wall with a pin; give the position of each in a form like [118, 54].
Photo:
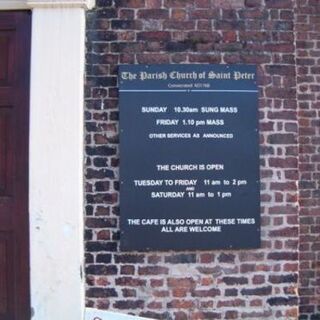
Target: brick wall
[253, 284]
[308, 85]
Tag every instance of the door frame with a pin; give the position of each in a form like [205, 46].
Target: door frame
[56, 156]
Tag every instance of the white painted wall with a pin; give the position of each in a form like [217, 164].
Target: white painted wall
[56, 163]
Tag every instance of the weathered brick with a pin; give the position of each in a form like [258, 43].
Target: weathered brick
[110, 198]
[130, 282]
[152, 58]
[127, 269]
[153, 14]
[181, 304]
[101, 223]
[101, 292]
[181, 258]
[259, 291]
[231, 292]
[101, 270]
[282, 139]
[226, 258]
[181, 282]
[154, 36]
[232, 314]
[279, 4]
[235, 280]
[226, 4]
[285, 232]
[106, 13]
[153, 270]
[129, 3]
[94, 246]
[129, 258]
[253, 3]
[283, 278]
[256, 314]
[176, 3]
[127, 293]
[278, 301]
[208, 315]
[206, 293]
[101, 36]
[128, 304]
[204, 14]
[286, 256]
[126, 24]
[231, 303]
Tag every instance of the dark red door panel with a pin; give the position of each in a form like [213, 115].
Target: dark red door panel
[14, 127]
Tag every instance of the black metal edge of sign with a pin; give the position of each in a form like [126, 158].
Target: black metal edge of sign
[189, 157]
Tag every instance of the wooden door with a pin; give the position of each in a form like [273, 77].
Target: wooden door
[14, 127]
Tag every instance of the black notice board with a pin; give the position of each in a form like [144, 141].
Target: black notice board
[189, 154]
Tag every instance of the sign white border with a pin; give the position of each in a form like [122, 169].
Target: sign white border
[95, 314]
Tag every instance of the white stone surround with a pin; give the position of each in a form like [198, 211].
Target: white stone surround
[56, 156]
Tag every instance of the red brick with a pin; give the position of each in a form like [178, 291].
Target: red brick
[177, 3]
[154, 36]
[152, 58]
[152, 270]
[128, 304]
[127, 270]
[161, 293]
[226, 4]
[205, 315]
[153, 14]
[130, 3]
[231, 303]
[178, 14]
[207, 258]
[206, 293]
[129, 281]
[181, 282]
[181, 304]
[153, 4]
